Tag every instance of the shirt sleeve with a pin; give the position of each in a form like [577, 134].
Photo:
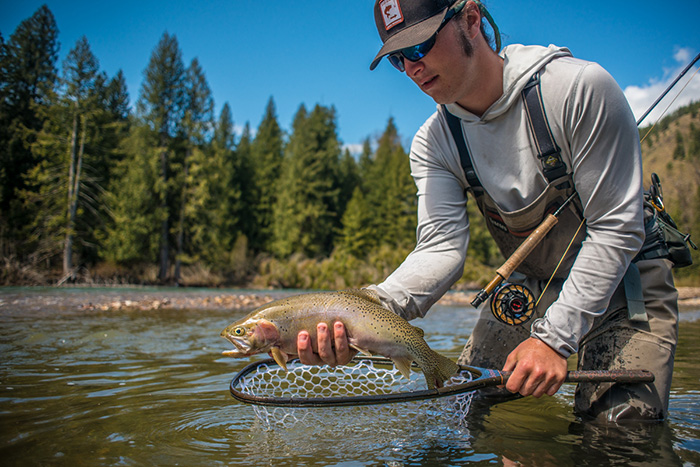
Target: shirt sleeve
[607, 172]
[442, 234]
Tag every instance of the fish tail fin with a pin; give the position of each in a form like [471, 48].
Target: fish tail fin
[443, 370]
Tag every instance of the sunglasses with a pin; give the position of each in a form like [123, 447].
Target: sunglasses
[416, 52]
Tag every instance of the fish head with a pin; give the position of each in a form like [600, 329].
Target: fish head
[250, 336]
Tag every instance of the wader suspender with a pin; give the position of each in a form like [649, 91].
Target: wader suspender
[548, 152]
[553, 168]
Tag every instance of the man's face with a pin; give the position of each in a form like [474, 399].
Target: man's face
[446, 72]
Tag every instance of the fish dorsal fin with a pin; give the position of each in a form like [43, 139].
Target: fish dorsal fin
[403, 365]
[419, 331]
[365, 294]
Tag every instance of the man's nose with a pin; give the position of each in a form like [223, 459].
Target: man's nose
[412, 68]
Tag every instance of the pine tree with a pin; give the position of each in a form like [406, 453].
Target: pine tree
[349, 179]
[679, 151]
[244, 177]
[67, 186]
[197, 167]
[391, 192]
[132, 237]
[306, 215]
[80, 74]
[160, 107]
[27, 80]
[266, 156]
[219, 195]
[356, 234]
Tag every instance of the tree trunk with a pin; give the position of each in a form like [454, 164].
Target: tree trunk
[181, 223]
[163, 272]
[68, 242]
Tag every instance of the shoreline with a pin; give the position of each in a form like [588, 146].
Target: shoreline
[118, 299]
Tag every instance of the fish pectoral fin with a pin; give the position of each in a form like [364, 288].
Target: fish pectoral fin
[362, 351]
[280, 357]
[403, 365]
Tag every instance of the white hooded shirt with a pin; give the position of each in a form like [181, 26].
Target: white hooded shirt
[592, 123]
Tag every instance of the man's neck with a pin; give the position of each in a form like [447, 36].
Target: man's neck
[489, 86]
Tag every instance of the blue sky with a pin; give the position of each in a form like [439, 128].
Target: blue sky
[312, 51]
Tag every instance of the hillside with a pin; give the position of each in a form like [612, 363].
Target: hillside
[679, 176]
[672, 150]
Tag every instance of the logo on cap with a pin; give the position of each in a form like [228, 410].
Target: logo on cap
[391, 13]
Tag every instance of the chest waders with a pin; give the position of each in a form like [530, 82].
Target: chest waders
[550, 252]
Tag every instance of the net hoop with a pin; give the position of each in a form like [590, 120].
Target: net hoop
[478, 378]
[469, 379]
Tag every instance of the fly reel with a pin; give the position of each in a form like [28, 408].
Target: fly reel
[513, 304]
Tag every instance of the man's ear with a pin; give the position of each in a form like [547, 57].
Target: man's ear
[472, 18]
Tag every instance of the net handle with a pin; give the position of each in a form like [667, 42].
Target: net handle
[484, 377]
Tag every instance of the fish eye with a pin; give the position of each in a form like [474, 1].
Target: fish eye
[239, 331]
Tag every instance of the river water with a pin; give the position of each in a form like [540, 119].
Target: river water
[80, 386]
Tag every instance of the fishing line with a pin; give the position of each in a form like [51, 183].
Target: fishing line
[670, 104]
[663, 94]
[561, 260]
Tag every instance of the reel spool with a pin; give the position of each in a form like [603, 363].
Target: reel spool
[513, 304]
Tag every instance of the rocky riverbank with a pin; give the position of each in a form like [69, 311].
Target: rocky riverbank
[688, 297]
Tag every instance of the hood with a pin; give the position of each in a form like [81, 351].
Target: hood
[520, 62]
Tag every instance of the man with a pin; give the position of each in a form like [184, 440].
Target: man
[441, 45]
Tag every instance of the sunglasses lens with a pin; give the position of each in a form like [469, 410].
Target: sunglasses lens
[396, 59]
[419, 51]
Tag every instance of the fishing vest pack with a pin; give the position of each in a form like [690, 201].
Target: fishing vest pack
[664, 240]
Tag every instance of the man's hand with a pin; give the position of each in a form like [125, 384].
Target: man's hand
[326, 353]
[537, 369]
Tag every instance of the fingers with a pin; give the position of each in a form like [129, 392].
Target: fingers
[536, 369]
[343, 352]
[533, 383]
[331, 347]
[325, 346]
[305, 350]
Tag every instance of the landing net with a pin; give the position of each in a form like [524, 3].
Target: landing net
[272, 391]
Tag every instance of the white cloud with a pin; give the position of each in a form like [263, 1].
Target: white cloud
[642, 97]
[354, 148]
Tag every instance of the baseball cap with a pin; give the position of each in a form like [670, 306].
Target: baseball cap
[405, 23]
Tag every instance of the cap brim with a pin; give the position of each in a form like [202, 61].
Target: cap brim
[409, 37]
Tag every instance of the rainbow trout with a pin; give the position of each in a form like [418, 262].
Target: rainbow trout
[371, 328]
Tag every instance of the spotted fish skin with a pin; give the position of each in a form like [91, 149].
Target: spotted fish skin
[371, 329]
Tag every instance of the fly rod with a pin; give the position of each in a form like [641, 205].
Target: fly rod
[663, 94]
[520, 254]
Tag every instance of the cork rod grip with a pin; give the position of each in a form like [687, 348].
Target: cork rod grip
[526, 247]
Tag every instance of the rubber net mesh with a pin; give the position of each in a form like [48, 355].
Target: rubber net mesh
[359, 378]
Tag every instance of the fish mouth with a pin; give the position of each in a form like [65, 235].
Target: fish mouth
[242, 347]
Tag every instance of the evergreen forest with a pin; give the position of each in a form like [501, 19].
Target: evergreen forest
[97, 190]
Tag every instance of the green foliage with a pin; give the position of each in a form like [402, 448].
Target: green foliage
[679, 152]
[306, 216]
[390, 192]
[173, 194]
[132, 236]
[266, 156]
[28, 77]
